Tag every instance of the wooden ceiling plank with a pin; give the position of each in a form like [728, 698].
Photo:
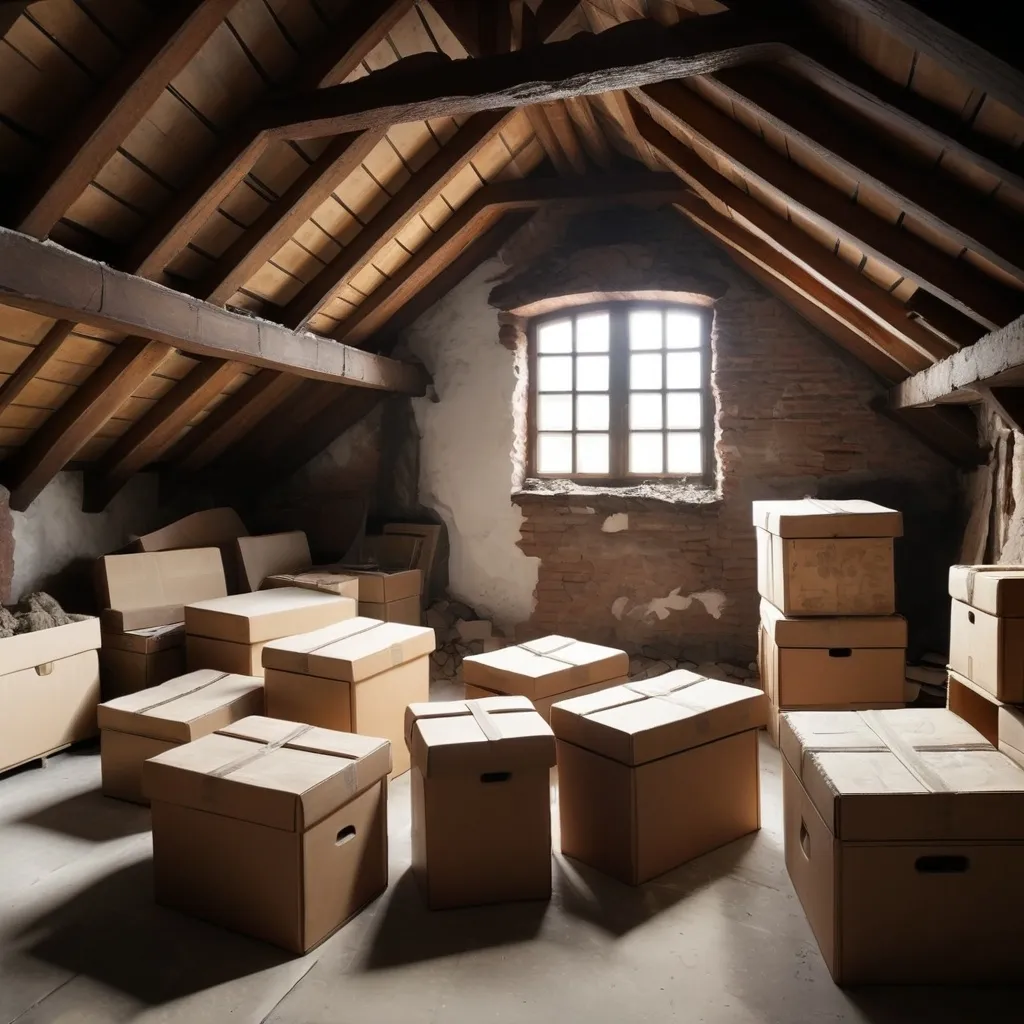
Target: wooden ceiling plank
[59, 283]
[148, 438]
[34, 362]
[427, 183]
[957, 212]
[113, 113]
[562, 126]
[64, 433]
[785, 236]
[627, 56]
[594, 141]
[955, 281]
[545, 135]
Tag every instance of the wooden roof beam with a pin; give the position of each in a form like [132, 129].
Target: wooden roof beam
[934, 197]
[178, 34]
[542, 128]
[59, 283]
[955, 281]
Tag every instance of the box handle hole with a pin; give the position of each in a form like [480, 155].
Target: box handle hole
[805, 840]
[970, 618]
[45, 669]
[495, 776]
[839, 652]
[347, 834]
[942, 865]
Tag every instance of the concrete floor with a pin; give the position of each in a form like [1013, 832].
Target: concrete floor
[721, 940]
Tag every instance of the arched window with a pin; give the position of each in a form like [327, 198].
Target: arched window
[620, 392]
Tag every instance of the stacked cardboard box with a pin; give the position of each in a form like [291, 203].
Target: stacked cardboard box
[144, 597]
[986, 652]
[388, 595]
[829, 637]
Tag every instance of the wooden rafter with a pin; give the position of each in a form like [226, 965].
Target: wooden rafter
[944, 319]
[428, 182]
[34, 362]
[956, 281]
[590, 132]
[545, 134]
[176, 37]
[795, 244]
[936, 198]
[565, 136]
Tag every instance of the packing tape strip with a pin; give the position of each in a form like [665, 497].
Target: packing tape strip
[184, 693]
[264, 749]
[550, 655]
[483, 719]
[342, 639]
[651, 690]
[832, 507]
[974, 571]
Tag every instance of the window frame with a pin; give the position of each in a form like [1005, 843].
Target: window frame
[618, 394]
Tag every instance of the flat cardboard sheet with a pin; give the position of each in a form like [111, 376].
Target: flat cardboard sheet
[350, 651]
[543, 667]
[819, 517]
[644, 721]
[281, 774]
[266, 614]
[321, 578]
[213, 527]
[32, 650]
[496, 734]
[996, 589]
[911, 774]
[834, 632]
[182, 709]
[270, 554]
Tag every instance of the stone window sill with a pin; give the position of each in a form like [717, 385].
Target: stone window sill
[642, 495]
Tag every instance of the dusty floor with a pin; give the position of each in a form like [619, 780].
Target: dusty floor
[720, 940]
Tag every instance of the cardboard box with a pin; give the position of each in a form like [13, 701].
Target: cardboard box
[430, 534]
[481, 803]
[775, 714]
[141, 658]
[826, 557]
[357, 676]
[270, 828]
[141, 725]
[542, 705]
[49, 688]
[652, 774]
[819, 662]
[379, 587]
[904, 833]
[152, 588]
[996, 589]
[550, 666]
[229, 633]
[409, 611]
[270, 554]
[321, 578]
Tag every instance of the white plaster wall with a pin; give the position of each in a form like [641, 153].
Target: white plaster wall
[54, 531]
[465, 449]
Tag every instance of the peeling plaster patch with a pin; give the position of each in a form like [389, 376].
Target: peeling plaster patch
[584, 510]
[616, 523]
[661, 607]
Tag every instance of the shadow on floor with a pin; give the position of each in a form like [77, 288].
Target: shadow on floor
[114, 933]
[619, 908]
[91, 816]
[408, 932]
[892, 1005]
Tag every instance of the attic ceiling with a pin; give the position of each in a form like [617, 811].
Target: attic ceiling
[861, 160]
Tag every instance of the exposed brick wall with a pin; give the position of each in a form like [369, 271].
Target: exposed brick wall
[794, 419]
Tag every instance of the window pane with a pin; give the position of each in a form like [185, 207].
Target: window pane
[644, 329]
[682, 330]
[684, 453]
[684, 369]
[591, 453]
[591, 412]
[645, 411]
[645, 372]
[645, 453]
[554, 412]
[554, 373]
[684, 411]
[591, 373]
[554, 453]
[592, 333]
[555, 337]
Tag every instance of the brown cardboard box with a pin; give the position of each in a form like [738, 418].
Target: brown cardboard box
[321, 678]
[49, 688]
[819, 662]
[318, 578]
[652, 774]
[379, 587]
[271, 828]
[986, 631]
[229, 633]
[430, 534]
[140, 658]
[408, 611]
[152, 588]
[542, 705]
[833, 558]
[550, 666]
[141, 725]
[270, 554]
[481, 804]
[904, 834]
